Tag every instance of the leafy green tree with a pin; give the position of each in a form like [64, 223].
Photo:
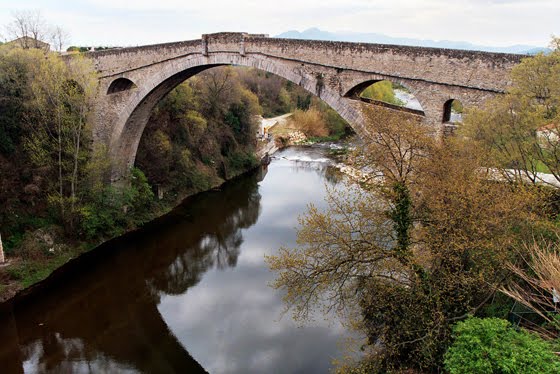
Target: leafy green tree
[62, 97]
[109, 210]
[382, 91]
[492, 345]
[14, 94]
[418, 247]
[201, 133]
[520, 130]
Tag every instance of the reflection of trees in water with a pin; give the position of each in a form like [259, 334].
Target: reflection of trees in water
[58, 355]
[219, 247]
[333, 176]
[326, 170]
[102, 315]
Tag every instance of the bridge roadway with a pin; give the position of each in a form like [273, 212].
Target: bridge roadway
[133, 80]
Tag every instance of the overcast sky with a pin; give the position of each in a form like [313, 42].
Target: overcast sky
[137, 22]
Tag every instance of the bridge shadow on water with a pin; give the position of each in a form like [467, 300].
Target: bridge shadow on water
[99, 312]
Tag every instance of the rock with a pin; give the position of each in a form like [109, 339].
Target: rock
[44, 237]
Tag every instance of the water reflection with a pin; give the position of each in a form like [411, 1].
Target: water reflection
[194, 279]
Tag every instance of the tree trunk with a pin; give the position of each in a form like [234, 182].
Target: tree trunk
[2, 259]
[60, 180]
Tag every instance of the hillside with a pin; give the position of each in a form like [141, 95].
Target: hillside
[317, 34]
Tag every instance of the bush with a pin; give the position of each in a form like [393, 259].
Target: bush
[310, 122]
[241, 161]
[492, 345]
[111, 210]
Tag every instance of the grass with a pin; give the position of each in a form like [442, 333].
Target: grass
[541, 167]
[29, 272]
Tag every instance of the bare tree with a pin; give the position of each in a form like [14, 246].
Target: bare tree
[59, 37]
[29, 28]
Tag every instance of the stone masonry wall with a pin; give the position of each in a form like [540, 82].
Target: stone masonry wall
[329, 70]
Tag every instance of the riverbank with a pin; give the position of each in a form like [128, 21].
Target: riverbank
[20, 273]
[186, 279]
[47, 249]
[47, 246]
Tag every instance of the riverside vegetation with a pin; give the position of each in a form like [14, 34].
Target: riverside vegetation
[427, 258]
[55, 200]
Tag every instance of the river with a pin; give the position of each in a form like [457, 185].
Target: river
[186, 293]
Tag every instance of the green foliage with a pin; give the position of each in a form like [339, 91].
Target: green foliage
[492, 345]
[420, 243]
[409, 320]
[111, 210]
[276, 96]
[285, 100]
[14, 92]
[456, 106]
[401, 216]
[241, 161]
[337, 126]
[520, 130]
[499, 307]
[140, 194]
[101, 220]
[82, 49]
[202, 132]
[382, 91]
[303, 102]
[61, 100]
[29, 272]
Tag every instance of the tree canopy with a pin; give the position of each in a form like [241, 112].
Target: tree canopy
[521, 129]
[418, 246]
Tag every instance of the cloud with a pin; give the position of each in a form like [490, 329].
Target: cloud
[121, 22]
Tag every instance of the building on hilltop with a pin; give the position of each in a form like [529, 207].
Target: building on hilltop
[27, 42]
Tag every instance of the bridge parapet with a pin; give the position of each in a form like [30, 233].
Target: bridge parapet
[471, 69]
[480, 70]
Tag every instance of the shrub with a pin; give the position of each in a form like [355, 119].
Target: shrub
[492, 345]
[310, 122]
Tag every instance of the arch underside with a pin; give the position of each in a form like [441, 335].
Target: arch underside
[134, 116]
[119, 85]
[356, 91]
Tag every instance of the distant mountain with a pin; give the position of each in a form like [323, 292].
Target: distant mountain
[316, 34]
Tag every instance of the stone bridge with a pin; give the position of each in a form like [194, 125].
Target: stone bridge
[133, 80]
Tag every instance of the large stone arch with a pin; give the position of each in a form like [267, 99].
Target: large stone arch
[327, 69]
[136, 104]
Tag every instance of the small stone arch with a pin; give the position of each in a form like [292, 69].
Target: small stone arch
[356, 93]
[452, 111]
[119, 85]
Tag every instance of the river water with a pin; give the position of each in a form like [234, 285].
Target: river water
[187, 293]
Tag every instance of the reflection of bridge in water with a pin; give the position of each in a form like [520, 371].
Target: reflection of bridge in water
[99, 313]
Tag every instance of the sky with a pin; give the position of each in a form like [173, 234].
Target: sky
[140, 22]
